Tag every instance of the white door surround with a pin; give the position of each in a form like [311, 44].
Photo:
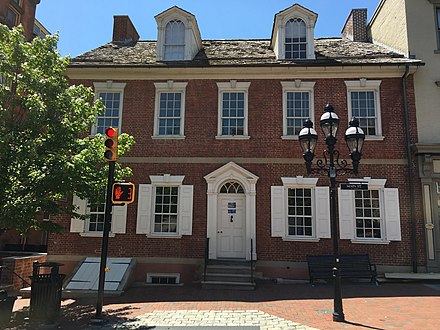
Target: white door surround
[215, 181]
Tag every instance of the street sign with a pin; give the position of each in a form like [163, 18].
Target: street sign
[354, 186]
[123, 193]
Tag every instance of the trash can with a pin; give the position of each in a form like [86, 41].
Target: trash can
[6, 306]
[46, 289]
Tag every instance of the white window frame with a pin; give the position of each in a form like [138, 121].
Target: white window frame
[109, 87]
[364, 85]
[320, 209]
[389, 210]
[146, 206]
[297, 86]
[294, 21]
[17, 17]
[169, 87]
[118, 222]
[233, 87]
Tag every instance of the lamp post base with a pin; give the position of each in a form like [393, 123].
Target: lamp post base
[338, 317]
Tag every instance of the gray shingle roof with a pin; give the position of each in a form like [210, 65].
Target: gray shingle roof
[329, 51]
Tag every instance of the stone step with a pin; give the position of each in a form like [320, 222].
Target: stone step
[234, 269]
[226, 285]
[228, 277]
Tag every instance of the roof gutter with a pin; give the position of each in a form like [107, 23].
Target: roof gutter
[411, 173]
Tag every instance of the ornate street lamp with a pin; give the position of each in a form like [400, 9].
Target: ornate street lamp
[354, 137]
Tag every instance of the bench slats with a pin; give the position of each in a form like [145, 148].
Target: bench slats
[350, 266]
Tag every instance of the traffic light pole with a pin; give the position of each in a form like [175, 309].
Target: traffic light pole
[104, 248]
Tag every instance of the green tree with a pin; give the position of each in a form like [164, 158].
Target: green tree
[45, 151]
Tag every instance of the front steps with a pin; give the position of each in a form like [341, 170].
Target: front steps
[229, 274]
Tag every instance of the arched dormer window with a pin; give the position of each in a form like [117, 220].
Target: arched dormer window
[295, 39]
[174, 46]
[293, 34]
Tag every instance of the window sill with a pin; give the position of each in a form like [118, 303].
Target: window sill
[232, 137]
[97, 234]
[374, 137]
[289, 137]
[163, 236]
[300, 239]
[168, 137]
[376, 242]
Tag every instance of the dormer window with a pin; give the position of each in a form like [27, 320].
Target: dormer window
[296, 39]
[293, 34]
[174, 47]
[178, 37]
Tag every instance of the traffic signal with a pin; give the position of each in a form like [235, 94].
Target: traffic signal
[123, 193]
[111, 144]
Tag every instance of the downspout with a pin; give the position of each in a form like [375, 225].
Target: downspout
[410, 176]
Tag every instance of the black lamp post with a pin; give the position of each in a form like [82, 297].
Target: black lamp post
[354, 137]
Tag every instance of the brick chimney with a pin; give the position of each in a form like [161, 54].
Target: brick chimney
[355, 27]
[123, 29]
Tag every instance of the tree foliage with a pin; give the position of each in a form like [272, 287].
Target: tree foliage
[46, 153]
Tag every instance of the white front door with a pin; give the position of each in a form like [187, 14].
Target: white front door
[231, 230]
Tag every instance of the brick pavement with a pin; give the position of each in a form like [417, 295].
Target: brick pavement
[293, 306]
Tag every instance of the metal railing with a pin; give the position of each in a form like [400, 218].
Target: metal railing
[252, 261]
[24, 282]
[206, 258]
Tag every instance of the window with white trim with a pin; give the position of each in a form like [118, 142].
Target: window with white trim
[300, 210]
[93, 225]
[295, 39]
[174, 46]
[298, 106]
[165, 207]
[169, 115]
[293, 34]
[363, 97]
[370, 216]
[111, 95]
[233, 110]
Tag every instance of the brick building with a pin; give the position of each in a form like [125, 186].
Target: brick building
[217, 156]
[16, 12]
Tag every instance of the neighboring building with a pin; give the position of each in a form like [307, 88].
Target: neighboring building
[16, 12]
[412, 27]
[217, 156]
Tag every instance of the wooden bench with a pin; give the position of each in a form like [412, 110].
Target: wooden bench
[350, 266]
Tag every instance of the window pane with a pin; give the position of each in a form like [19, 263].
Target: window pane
[170, 114]
[174, 47]
[295, 39]
[166, 209]
[363, 106]
[368, 215]
[297, 111]
[299, 212]
[233, 113]
[110, 116]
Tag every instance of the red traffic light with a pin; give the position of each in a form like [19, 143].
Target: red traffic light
[110, 131]
[111, 144]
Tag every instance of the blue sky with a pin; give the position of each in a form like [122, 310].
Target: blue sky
[86, 24]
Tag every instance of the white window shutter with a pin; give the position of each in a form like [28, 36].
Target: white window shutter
[186, 210]
[322, 212]
[144, 209]
[278, 221]
[392, 214]
[119, 219]
[346, 214]
[77, 225]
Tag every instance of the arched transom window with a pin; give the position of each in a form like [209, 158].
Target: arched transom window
[174, 41]
[232, 188]
[296, 39]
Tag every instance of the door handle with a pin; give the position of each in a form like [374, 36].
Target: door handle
[232, 218]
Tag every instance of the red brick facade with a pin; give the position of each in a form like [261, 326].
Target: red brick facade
[267, 156]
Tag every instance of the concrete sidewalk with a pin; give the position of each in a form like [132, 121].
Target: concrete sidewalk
[270, 306]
